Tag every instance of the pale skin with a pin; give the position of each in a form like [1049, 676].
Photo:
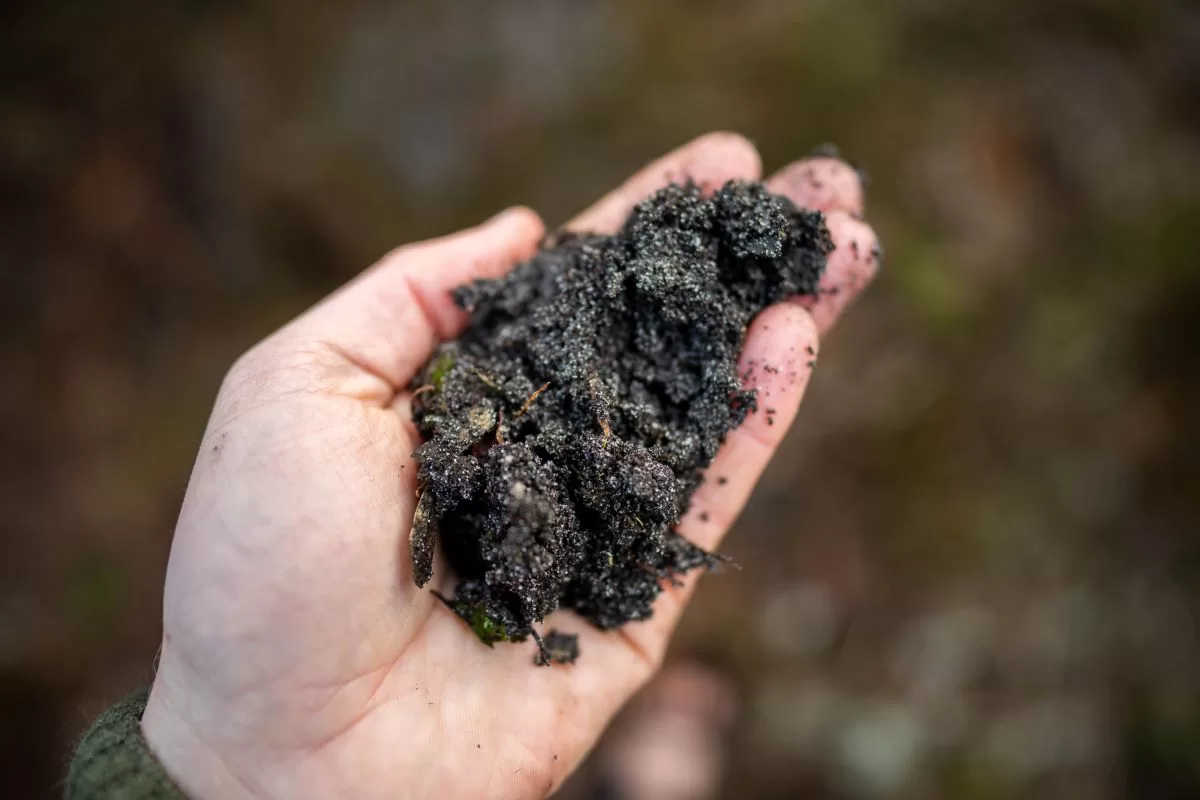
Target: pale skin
[298, 658]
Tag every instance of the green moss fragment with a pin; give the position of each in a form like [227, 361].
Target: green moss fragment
[440, 369]
[487, 629]
[475, 614]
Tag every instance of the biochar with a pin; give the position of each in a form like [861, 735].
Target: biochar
[567, 428]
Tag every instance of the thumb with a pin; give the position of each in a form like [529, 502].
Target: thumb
[385, 323]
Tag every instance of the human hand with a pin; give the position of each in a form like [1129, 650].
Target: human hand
[298, 658]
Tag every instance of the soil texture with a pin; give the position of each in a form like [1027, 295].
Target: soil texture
[568, 427]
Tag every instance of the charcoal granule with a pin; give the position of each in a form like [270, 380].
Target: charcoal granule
[567, 428]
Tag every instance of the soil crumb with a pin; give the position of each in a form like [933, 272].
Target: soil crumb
[568, 427]
[557, 648]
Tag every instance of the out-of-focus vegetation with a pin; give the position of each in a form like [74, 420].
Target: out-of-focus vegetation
[972, 571]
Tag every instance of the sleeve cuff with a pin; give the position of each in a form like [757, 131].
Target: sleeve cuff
[113, 761]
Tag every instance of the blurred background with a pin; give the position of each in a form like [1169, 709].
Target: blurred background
[972, 572]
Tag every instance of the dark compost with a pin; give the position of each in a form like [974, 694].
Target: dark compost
[568, 427]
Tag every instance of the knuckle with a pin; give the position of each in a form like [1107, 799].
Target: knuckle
[850, 235]
[527, 217]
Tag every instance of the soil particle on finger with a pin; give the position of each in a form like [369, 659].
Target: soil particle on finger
[568, 427]
[825, 150]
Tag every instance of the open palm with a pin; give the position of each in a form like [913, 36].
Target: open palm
[298, 658]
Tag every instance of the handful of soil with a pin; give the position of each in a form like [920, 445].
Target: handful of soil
[568, 427]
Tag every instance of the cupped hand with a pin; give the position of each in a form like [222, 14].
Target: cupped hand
[298, 658]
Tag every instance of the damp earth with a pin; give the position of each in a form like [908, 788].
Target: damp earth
[566, 430]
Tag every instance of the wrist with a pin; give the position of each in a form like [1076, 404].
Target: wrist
[191, 761]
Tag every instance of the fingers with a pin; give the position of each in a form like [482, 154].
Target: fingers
[851, 266]
[822, 183]
[710, 162]
[831, 185]
[777, 361]
[387, 321]
[781, 345]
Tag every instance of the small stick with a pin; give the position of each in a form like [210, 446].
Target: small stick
[543, 654]
[500, 427]
[486, 380]
[420, 390]
[601, 419]
[671, 577]
[532, 397]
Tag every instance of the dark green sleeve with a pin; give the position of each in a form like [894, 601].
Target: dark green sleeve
[113, 762]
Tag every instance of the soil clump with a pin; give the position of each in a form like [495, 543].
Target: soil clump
[567, 428]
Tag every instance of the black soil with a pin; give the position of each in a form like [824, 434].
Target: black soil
[557, 648]
[568, 427]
